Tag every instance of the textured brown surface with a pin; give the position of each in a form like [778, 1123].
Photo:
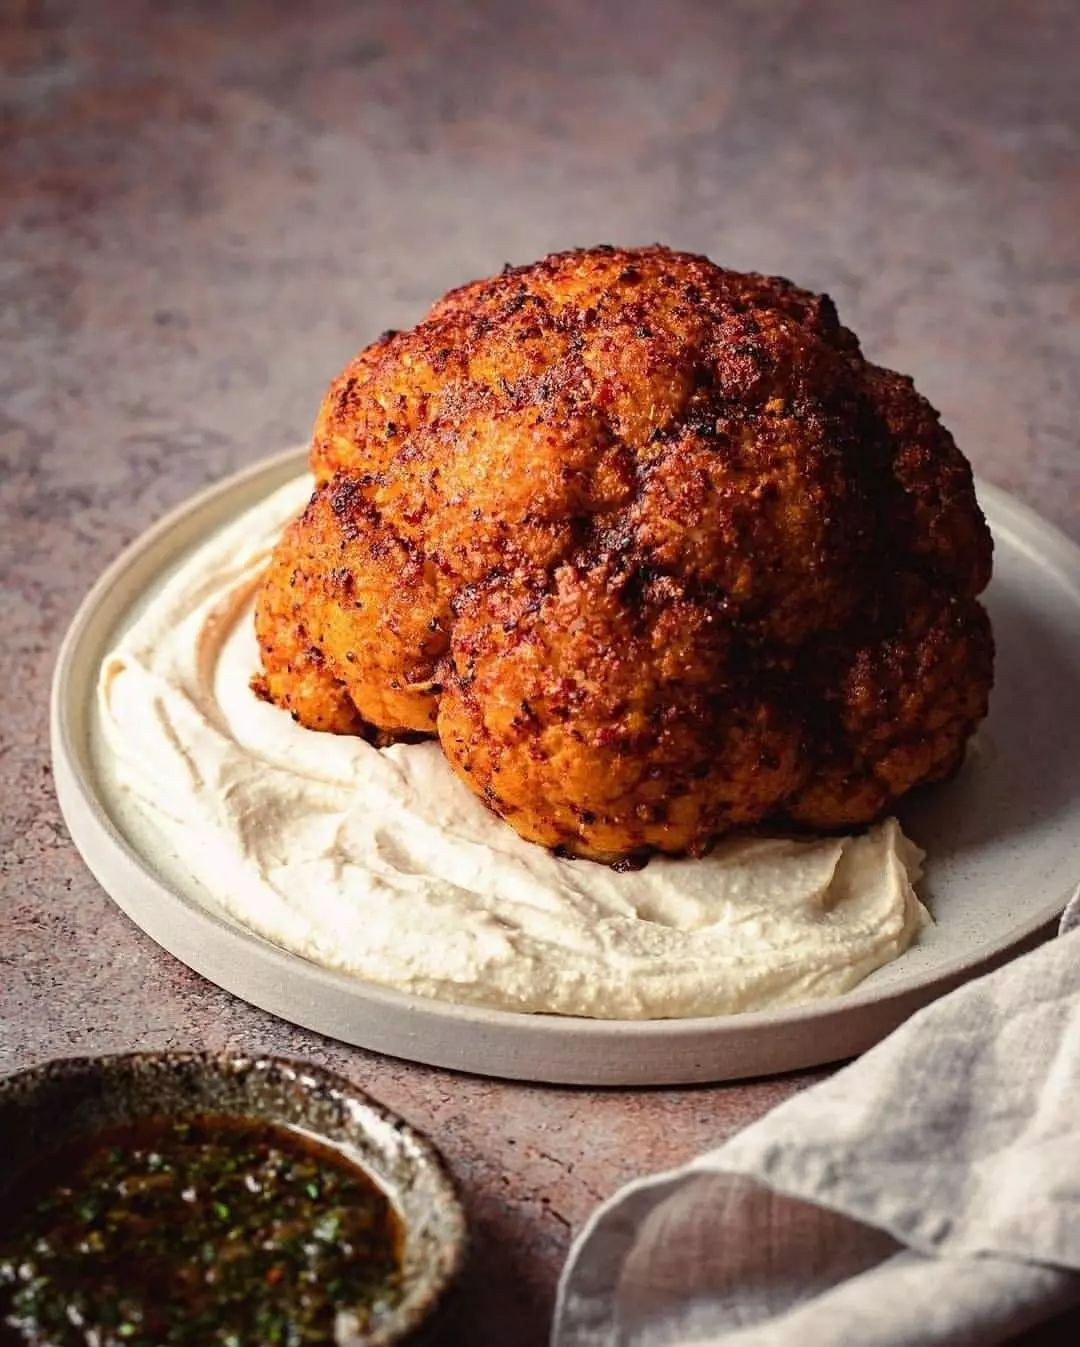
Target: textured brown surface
[650, 545]
[203, 219]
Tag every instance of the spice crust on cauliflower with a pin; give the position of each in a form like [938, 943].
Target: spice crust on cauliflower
[652, 549]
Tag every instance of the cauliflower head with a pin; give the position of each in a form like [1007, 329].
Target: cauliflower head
[652, 549]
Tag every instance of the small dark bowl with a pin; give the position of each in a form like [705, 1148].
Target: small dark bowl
[45, 1106]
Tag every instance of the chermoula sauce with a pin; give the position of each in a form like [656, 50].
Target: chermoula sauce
[212, 1230]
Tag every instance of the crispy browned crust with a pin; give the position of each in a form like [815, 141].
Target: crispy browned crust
[650, 546]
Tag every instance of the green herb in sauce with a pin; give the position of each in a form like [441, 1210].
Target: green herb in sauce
[210, 1231]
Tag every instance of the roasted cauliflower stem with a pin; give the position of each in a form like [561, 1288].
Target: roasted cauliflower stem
[650, 547]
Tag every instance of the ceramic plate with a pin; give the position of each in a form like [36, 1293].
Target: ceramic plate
[1003, 844]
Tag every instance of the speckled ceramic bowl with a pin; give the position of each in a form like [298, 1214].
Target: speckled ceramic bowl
[44, 1106]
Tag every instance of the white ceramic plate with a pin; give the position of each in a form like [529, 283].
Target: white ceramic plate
[1003, 843]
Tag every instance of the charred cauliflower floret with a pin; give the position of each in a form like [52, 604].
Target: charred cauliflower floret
[649, 546]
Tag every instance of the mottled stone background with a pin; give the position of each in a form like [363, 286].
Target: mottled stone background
[207, 208]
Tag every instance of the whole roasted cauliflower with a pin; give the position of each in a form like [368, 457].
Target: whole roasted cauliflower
[652, 549]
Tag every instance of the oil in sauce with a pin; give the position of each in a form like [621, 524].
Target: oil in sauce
[208, 1230]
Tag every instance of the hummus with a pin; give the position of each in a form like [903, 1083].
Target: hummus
[381, 864]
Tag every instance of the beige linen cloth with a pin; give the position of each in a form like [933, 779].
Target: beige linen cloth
[927, 1194]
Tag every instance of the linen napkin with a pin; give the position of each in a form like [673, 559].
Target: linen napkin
[927, 1194]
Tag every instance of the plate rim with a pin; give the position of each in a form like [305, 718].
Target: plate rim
[117, 864]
